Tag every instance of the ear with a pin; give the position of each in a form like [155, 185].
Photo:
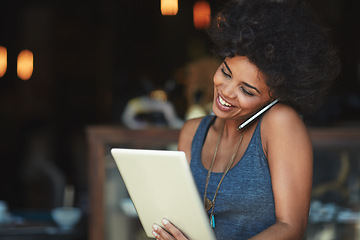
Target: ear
[272, 95]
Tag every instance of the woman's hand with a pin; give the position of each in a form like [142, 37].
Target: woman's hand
[161, 234]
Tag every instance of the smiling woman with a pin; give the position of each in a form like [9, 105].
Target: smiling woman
[256, 179]
[239, 89]
[296, 49]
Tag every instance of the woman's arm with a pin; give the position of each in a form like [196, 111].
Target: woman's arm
[289, 151]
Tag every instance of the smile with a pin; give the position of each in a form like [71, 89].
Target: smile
[224, 103]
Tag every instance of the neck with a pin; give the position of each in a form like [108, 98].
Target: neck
[230, 128]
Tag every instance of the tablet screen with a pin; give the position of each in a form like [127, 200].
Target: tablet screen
[161, 185]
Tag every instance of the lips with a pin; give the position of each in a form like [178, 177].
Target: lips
[222, 104]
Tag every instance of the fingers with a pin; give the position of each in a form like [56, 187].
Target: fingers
[173, 230]
[158, 232]
[161, 234]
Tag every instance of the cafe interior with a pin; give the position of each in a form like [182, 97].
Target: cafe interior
[78, 78]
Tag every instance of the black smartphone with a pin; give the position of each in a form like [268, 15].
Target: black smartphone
[241, 126]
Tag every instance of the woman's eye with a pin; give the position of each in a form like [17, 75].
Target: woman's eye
[225, 73]
[246, 92]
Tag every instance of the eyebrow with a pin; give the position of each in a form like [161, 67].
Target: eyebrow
[248, 85]
[227, 67]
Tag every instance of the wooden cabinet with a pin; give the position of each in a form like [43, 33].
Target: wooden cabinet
[336, 150]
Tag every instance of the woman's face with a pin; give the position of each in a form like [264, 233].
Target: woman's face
[239, 89]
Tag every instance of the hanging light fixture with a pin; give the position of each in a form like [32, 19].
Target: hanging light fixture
[25, 64]
[202, 14]
[169, 7]
[3, 60]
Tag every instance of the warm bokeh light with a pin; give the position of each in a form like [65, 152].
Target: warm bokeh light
[169, 7]
[202, 14]
[3, 60]
[25, 64]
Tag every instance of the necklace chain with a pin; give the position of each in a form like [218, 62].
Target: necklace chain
[207, 202]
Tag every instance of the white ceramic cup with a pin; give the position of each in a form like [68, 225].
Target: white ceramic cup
[66, 217]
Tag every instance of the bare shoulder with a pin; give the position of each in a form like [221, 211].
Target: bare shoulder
[187, 134]
[283, 124]
[189, 128]
[282, 118]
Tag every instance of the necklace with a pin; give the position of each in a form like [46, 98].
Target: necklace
[207, 202]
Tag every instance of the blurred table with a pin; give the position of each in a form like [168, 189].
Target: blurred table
[333, 231]
[38, 226]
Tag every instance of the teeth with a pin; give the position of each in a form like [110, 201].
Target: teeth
[222, 101]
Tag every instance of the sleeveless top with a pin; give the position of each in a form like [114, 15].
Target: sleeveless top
[245, 202]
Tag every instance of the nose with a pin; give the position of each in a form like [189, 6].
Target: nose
[229, 90]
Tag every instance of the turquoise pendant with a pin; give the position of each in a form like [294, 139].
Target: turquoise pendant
[212, 221]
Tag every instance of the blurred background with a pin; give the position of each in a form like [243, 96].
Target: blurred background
[90, 58]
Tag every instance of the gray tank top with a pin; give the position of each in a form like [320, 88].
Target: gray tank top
[245, 201]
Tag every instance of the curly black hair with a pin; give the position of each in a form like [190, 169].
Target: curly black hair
[286, 43]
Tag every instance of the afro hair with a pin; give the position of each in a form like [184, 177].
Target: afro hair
[285, 42]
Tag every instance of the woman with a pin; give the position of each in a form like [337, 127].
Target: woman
[256, 182]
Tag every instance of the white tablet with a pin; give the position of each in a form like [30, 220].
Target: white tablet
[161, 185]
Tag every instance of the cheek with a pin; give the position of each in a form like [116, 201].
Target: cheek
[247, 102]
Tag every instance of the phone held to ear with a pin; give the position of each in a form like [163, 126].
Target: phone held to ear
[267, 107]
